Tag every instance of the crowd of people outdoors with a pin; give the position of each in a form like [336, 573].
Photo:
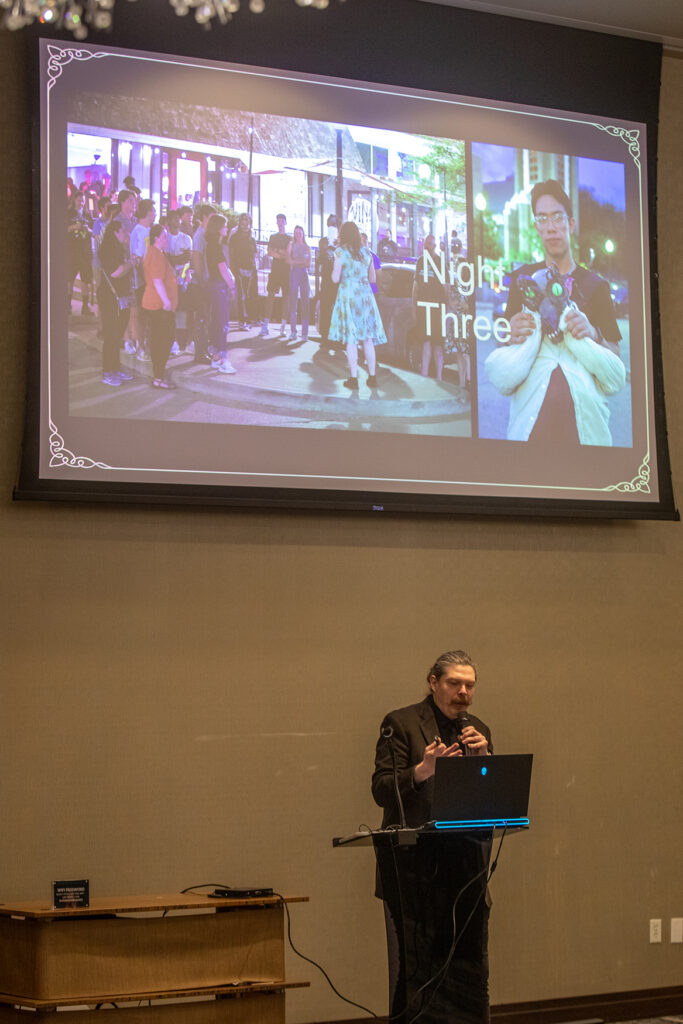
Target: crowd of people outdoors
[180, 283]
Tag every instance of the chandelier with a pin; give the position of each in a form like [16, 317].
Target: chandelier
[78, 15]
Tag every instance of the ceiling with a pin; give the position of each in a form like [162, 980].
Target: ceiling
[657, 20]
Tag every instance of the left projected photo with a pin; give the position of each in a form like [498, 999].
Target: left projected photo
[206, 255]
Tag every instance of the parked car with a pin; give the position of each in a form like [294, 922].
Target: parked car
[395, 303]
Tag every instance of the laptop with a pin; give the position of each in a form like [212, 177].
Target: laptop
[482, 792]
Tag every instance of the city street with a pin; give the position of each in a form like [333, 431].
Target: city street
[277, 383]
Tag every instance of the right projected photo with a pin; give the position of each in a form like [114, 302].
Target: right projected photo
[557, 370]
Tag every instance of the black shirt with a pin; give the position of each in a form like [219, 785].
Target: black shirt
[387, 250]
[279, 243]
[112, 254]
[215, 255]
[589, 291]
[242, 247]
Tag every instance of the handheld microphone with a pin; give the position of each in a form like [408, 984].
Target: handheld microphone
[462, 720]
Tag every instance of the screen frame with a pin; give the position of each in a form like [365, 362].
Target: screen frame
[31, 486]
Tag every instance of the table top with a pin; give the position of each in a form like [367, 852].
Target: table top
[236, 990]
[139, 904]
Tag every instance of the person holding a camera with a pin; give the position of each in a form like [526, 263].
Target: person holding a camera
[562, 357]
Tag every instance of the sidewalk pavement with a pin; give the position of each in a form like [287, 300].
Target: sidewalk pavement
[301, 382]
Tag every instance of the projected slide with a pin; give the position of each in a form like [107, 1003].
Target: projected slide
[253, 279]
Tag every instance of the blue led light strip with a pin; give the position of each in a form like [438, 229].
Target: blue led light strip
[483, 823]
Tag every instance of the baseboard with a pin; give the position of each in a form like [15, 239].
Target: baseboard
[610, 1006]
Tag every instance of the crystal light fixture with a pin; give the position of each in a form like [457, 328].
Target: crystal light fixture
[78, 15]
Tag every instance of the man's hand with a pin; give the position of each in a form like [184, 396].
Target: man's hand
[578, 324]
[522, 326]
[474, 741]
[425, 769]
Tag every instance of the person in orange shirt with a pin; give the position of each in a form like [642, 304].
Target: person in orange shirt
[160, 300]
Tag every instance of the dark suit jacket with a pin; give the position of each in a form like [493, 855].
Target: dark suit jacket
[414, 728]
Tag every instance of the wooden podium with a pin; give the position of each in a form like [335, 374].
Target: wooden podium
[195, 959]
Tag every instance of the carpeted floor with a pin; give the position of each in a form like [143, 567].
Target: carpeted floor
[672, 1019]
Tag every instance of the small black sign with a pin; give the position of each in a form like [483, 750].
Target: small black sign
[67, 895]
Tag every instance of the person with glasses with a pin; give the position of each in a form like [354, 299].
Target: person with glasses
[562, 356]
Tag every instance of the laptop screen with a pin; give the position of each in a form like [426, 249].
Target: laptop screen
[477, 791]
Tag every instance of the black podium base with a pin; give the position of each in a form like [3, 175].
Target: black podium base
[437, 926]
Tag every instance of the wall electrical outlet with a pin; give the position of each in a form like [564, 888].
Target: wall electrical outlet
[677, 929]
[655, 929]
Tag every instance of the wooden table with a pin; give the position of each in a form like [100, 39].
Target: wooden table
[146, 948]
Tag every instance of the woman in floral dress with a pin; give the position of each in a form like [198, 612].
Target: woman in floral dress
[355, 317]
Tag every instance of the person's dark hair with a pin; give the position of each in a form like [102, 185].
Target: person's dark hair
[182, 210]
[450, 658]
[215, 225]
[125, 194]
[110, 233]
[145, 206]
[154, 232]
[349, 238]
[554, 189]
[281, 216]
[203, 210]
